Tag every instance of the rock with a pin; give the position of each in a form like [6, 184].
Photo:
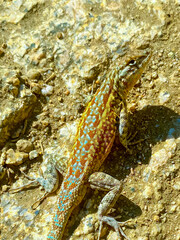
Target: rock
[14, 111]
[33, 74]
[24, 146]
[15, 158]
[14, 81]
[36, 89]
[155, 231]
[14, 91]
[36, 57]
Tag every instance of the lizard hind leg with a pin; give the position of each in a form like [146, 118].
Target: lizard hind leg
[48, 179]
[102, 181]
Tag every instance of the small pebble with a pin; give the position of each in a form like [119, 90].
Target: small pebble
[148, 77]
[29, 216]
[60, 35]
[143, 238]
[154, 67]
[148, 192]
[160, 64]
[47, 90]
[176, 186]
[60, 99]
[71, 118]
[33, 74]
[171, 54]
[5, 188]
[23, 168]
[156, 218]
[164, 97]
[44, 123]
[33, 154]
[67, 92]
[172, 208]
[132, 107]
[162, 78]
[24, 146]
[158, 159]
[154, 75]
[63, 118]
[37, 57]
[4, 45]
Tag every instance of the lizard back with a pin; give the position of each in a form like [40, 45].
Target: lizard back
[95, 136]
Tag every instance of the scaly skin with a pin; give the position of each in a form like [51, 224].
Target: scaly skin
[95, 135]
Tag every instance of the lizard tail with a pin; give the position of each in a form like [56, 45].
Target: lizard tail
[58, 224]
[68, 199]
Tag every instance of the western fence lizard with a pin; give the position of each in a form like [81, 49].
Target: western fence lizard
[93, 142]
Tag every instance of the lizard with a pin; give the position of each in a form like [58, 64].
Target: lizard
[93, 141]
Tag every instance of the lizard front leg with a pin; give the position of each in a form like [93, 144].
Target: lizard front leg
[102, 181]
[123, 125]
[124, 137]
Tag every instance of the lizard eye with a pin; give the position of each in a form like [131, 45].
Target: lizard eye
[132, 62]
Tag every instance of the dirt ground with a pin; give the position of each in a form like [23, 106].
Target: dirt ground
[63, 83]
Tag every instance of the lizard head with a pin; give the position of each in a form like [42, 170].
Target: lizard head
[126, 73]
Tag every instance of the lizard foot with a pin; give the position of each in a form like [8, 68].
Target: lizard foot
[33, 181]
[114, 224]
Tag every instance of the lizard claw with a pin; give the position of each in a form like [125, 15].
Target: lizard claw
[114, 224]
